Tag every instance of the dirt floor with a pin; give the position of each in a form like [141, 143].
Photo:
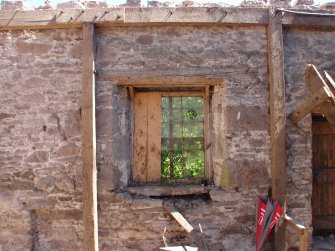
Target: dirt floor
[323, 243]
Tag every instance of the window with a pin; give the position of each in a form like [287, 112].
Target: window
[169, 136]
[182, 137]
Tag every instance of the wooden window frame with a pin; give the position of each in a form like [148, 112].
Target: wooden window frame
[205, 93]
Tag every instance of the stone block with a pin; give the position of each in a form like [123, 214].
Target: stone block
[6, 115]
[254, 3]
[65, 183]
[96, 4]
[36, 82]
[17, 184]
[32, 47]
[280, 3]
[37, 157]
[223, 196]
[45, 182]
[73, 4]
[138, 204]
[60, 214]
[14, 5]
[244, 117]
[38, 202]
[66, 151]
[34, 98]
[72, 127]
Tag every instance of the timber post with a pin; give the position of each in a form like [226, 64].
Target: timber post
[90, 212]
[277, 117]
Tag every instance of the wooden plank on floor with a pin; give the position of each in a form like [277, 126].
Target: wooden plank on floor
[195, 235]
[90, 212]
[277, 116]
[154, 137]
[141, 137]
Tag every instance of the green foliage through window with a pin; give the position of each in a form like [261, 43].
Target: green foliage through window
[182, 154]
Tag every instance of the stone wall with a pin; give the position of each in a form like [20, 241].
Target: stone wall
[302, 47]
[240, 132]
[40, 128]
[40, 146]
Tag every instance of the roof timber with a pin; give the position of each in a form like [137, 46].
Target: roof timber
[308, 21]
[68, 18]
[39, 19]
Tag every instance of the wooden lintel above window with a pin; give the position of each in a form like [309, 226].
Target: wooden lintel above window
[168, 81]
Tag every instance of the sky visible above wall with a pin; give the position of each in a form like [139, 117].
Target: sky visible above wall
[118, 2]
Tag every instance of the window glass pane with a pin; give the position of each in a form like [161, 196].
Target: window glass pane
[182, 137]
[176, 102]
[193, 114]
[165, 144]
[165, 130]
[193, 144]
[177, 145]
[176, 115]
[194, 164]
[177, 170]
[165, 109]
[193, 130]
[193, 102]
[177, 130]
[165, 164]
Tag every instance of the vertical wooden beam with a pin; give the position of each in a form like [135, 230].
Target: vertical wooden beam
[132, 128]
[277, 116]
[90, 213]
[208, 170]
[304, 241]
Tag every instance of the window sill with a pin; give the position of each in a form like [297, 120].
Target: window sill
[156, 191]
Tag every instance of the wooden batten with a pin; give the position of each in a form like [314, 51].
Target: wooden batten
[277, 117]
[315, 82]
[323, 95]
[310, 104]
[89, 179]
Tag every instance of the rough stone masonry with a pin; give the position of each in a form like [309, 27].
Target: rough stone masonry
[40, 130]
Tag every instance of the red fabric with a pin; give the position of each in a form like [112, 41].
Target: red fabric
[260, 219]
[275, 217]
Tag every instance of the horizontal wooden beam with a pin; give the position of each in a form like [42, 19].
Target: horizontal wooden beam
[45, 19]
[168, 190]
[167, 81]
[309, 21]
[68, 18]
